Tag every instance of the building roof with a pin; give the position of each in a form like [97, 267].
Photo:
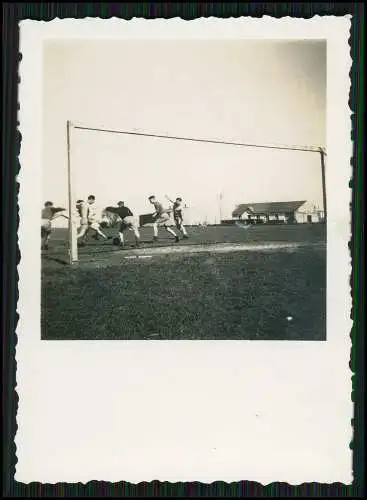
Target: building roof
[278, 207]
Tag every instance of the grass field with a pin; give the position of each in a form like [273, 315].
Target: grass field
[194, 290]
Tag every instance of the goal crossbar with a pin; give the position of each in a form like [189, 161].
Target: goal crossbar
[73, 249]
[311, 149]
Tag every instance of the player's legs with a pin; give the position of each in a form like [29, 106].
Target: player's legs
[82, 231]
[183, 230]
[101, 233]
[136, 234]
[163, 221]
[82, 235]
[122, 229]
[45, 233]
[134, 227]
[129, 223]
[45, 236]
[181, 227]
[160, 221]
[95, 226]
[169, 230]
[155, 231]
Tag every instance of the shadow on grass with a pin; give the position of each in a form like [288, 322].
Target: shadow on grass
[55, 259]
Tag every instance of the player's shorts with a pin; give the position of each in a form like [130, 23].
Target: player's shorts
[45, 227]
[129, 222]
[162, 219]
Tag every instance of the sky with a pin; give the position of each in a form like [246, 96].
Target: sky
[263, 92]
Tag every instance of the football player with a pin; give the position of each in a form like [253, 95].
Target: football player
[161, 217]
[128, 222]
[48, 214]
[177, 215]
[89, 219]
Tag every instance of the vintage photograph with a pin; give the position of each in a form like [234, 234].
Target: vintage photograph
[184, 189]
[193, 179]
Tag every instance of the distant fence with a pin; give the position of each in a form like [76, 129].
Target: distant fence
[146, 219]
[233, 222]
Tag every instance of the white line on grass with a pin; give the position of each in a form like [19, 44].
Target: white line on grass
[148, 253]
[138, 257]
[216, 248]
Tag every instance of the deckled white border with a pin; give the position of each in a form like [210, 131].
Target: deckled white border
[185, 411]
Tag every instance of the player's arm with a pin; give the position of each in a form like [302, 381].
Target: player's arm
[172, 208]
[57, 212]
[113, 210]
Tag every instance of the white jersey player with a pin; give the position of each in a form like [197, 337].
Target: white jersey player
[161, 217]
[89, 219]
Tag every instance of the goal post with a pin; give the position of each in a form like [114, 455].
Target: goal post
[323, 181]
[73, 246]
[71, 173]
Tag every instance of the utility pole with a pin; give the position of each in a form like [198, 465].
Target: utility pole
[220, 207]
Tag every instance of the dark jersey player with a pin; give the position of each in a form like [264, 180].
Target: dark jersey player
[177, 216]
[128, 221]
[48, 214]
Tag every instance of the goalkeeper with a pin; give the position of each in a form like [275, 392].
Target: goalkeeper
[128, 222]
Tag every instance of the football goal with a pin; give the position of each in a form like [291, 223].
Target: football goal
[208, 173]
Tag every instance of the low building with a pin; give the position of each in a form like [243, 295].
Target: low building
[308, 213]
[283, 212]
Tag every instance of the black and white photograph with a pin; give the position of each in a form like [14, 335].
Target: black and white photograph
[183, 190]
[185, 306]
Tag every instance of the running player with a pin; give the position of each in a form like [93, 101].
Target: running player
[128, 221]
[82, 209]
[48, 214]
[89, 219]
[161, 218]
[177, 215]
